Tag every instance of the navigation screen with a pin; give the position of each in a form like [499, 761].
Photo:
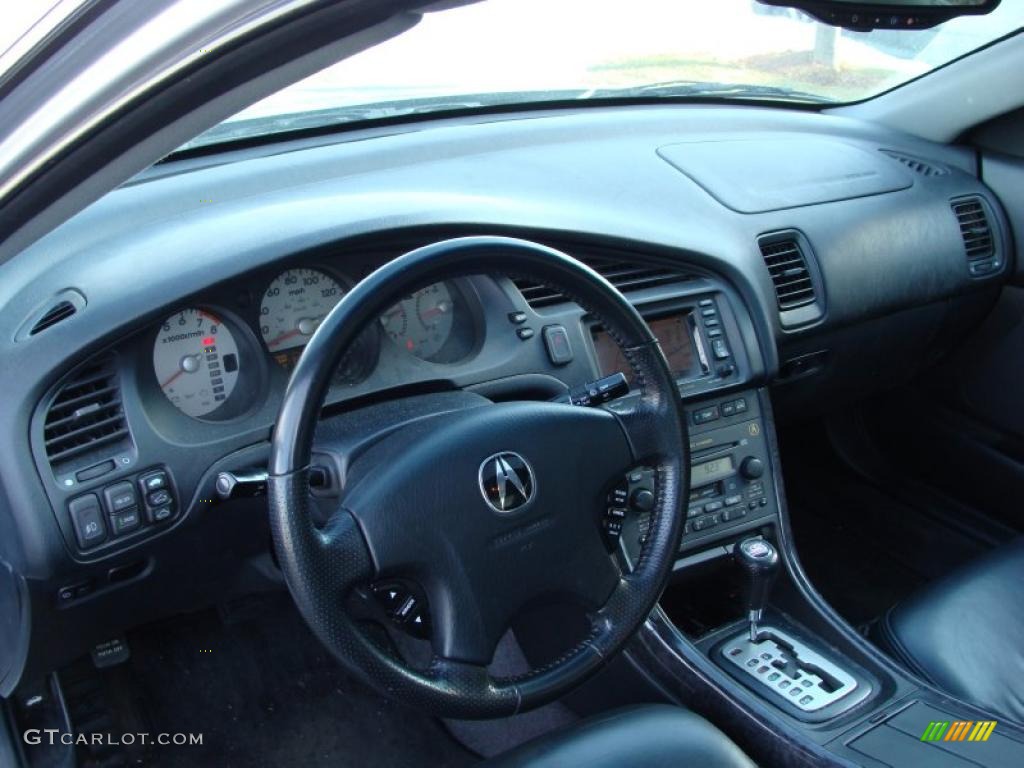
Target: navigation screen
[676, 337]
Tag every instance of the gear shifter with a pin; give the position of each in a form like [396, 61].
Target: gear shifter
[760, 562]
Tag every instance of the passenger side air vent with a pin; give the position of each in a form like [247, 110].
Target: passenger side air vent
[794, 286]
[979, 244]
[86, 413]
[917, 165]
[799, 290]
[624, 275]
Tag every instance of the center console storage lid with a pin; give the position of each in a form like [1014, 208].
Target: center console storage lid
[769, 173]
[900, 740]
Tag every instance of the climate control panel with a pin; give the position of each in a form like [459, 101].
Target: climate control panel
[731, 487]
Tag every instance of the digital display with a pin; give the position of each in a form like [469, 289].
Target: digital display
[710, 471]
[676, 336]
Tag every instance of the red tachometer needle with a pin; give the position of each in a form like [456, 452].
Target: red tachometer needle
[170, 381]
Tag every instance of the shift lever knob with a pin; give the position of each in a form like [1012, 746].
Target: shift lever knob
[760, 562]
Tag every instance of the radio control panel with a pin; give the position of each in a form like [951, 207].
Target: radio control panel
[731, 485]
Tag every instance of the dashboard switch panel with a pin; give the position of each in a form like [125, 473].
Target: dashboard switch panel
[123, 509]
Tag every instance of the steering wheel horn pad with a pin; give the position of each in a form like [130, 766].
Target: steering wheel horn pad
[414, 507]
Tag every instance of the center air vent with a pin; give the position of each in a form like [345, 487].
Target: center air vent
[787, 265]
[976, 232]
[86, 414]
[624, 275]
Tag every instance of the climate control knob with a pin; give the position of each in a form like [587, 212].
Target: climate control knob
[751, 468]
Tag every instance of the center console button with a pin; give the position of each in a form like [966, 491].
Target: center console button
[87, 519]
[153, 481]
[704, 415]
[734, 513]
[159, 498]
[707, 521]
[160, 514]
[556, 341]
[713, 506]
[120, 496]
[123, 522]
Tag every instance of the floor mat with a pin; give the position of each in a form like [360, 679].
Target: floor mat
[261, 690]
[862, 549]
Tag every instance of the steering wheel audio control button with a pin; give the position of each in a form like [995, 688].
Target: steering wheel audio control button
[390, 596]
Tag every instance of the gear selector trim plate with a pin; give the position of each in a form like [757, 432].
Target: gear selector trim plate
[785, 668]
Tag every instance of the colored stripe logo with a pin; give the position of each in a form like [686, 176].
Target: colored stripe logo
[958, 730]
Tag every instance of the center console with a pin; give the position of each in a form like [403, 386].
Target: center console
[766, 655]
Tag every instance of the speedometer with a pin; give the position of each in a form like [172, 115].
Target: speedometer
[195, 359]
[293, 306]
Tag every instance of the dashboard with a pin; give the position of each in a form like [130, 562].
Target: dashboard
[154, 333]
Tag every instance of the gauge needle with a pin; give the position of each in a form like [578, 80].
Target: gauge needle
[440, 309]
[170, 381]
[188, 364]
[304, 327]
[283, 337]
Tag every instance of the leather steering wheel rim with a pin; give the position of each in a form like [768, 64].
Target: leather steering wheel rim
[322, 565]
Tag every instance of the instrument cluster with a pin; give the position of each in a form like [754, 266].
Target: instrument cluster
[204, 355]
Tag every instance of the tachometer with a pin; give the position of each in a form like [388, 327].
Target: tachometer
[422, 322]
[293, 307]
[195, 359]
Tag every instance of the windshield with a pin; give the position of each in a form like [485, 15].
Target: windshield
[506, 52]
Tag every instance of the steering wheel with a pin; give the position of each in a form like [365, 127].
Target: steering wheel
[486, 508]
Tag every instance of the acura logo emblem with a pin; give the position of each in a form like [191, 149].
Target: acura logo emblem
[506, 481]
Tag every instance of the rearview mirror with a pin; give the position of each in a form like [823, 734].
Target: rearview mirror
[879, 14]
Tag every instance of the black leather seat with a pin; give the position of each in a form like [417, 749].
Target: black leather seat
[651, 736]
[965, 632]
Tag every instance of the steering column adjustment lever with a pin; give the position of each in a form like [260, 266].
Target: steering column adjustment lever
[245, 484]
[250, 483]
[760, 562]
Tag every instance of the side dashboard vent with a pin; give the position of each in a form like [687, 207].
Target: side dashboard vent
[55, 310]
[624, 275]
[61, 311]
[787, 265]
[86, 413]
[976, 232]
[917, 165]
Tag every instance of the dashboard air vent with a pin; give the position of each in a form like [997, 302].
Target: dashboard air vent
[624, 275]
[54, 310]
[60, 311]
[917, 165]
[787, 265]
[974, 228]
[86, 413]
